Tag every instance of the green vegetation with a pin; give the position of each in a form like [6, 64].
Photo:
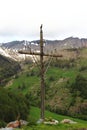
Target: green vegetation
[8, 68]
[12, 105]
[65, 92]
[65, 86]
[35, 115]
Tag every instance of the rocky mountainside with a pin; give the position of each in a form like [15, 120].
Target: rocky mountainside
[70, 42]
[10, 49]
[11, 53]
[67, 43]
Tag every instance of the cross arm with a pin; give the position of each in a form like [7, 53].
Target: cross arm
[36, 53]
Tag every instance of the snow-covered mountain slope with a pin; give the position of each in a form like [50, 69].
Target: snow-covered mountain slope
[4, 52]
[11, 49]
[13, 54]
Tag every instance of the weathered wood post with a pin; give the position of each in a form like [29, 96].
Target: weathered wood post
[42, 75]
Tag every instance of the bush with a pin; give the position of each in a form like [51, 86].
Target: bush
[63, 63]
[83, 68]
[51, 78]
[2, 124]
[12, 105]
[80, 85]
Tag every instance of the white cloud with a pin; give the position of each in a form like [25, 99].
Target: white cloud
[60, 18]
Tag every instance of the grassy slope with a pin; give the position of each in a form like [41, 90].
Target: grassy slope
[56, 72]
[33, 80]
[23, 79]
[35, 115]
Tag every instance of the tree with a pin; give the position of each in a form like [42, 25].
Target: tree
[80, 85]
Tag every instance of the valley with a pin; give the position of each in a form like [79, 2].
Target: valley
[65, 87]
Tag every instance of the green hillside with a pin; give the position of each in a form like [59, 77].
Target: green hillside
[65, 85]
[8, 68]
[65, 91]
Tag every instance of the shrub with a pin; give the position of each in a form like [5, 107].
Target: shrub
[2, 124]
[51, 78]
[83, 68]
[80, 85]
[11, 105]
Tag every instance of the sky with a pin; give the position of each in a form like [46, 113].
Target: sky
[21, 19]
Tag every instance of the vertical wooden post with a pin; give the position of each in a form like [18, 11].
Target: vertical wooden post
[42, 75]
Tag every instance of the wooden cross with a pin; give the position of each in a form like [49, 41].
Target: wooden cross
[41, 54]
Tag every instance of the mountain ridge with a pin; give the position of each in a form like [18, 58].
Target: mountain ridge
[70, 40]
[12, 48]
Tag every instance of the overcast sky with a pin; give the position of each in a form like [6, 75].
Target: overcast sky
[21, 19]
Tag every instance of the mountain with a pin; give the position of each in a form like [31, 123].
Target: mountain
[67, 43]
[14, 45]
[65, 84]
[11, 49]
[70, 42]
[11, 53]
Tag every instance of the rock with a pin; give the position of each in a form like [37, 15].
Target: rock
[68, 121]
[53, 122]
[6, 129]
[40, 121]
[14, 124]
[23, 122]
